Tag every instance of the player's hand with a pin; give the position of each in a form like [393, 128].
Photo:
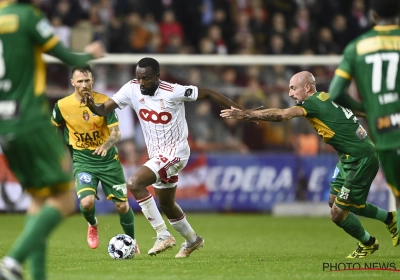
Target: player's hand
[87, 99]
[96, 49]
[239, 114]
[101, 151]
[233, 113]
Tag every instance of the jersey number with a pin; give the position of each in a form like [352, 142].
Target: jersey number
[391, 73]
[347, 112]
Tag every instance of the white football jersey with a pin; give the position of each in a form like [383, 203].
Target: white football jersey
[162, 116]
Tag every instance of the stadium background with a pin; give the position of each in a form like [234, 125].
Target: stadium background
[235, 166]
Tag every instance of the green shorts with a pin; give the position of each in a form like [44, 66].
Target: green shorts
[390, 161]
[39, 160]
[110, 174]
[352, 180]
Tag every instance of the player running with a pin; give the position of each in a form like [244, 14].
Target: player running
[358, 162]
[161, 112]
[372, 60]
[33, 150]
[92, 140]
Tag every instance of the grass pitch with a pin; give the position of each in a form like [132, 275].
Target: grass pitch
[237, 246]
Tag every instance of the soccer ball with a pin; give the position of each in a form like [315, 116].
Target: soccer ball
[122, 247]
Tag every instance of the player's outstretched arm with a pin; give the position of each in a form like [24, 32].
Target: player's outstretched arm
[99, 109]
[222, 100]
[115, 136]
[272, 114]
[93, 50]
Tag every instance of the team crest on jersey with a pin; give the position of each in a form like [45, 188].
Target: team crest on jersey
[86, 116]
[141, 100]
[158, 163]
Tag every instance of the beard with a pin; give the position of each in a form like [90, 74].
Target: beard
[149, 91]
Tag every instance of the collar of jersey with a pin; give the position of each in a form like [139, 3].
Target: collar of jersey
[76, 101]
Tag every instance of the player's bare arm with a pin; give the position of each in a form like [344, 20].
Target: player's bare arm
[222, 100]
[99, 109]
[272, 114]
[115, 136]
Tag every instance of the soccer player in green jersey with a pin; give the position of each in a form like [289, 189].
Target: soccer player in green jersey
[92, 139]
[358, 161]
[30, 144]
[372, 60]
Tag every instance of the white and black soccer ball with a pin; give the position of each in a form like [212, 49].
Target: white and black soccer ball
[122, 247]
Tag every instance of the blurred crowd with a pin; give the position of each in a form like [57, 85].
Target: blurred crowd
[210, 26]
[271, 27]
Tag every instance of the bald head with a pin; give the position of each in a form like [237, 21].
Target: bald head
[301, 86]
[304, 77]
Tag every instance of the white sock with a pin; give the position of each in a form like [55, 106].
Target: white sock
[150, 211]
[11, 263]
[96, 224]
[183, 227]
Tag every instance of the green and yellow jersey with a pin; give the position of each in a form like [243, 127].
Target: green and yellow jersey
[24, 35]
[337, 126]
[83, 130]
[373, 60]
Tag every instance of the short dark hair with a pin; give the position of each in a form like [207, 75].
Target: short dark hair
[150, 62]
[84, 69]
[386, 8]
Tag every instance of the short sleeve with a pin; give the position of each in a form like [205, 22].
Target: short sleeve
[311, 108]
[56, 117]
[41, 30]
[112, 119]
[185, 93]
[122, 97]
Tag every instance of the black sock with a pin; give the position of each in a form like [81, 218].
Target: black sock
[389, 218]
[370, 241]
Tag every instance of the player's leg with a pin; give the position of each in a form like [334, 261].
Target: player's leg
[113, 183]
[167, 170]
[390, 160]
[358, 177]
[126, 217]
[137, 184]
[86, 190]
[40, 153]
[177, 219]
[370, 210]
[63, 203]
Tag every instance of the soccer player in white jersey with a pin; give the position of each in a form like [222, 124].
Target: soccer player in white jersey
[160, 109]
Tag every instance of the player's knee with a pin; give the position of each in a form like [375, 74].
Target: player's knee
[338, 215]
[133, 184]
[122, 206]
[87, 202]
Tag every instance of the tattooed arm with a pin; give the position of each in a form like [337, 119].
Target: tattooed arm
[115, 136]
[272, 114]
